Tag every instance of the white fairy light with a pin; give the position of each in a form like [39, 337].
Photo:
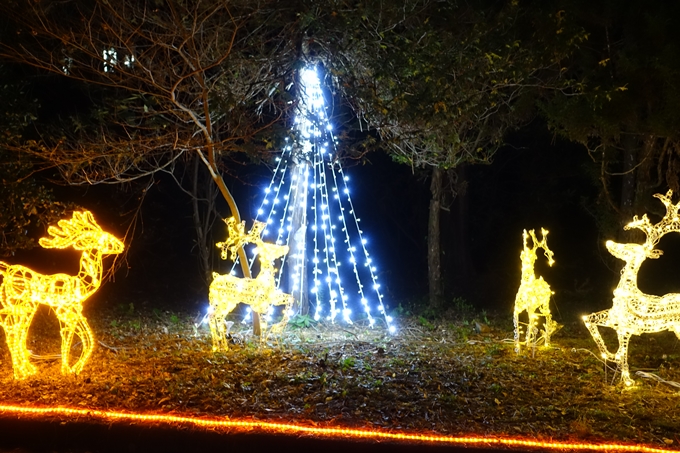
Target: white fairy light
[331, 217]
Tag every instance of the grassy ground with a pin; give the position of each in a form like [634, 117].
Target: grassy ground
[446, 374]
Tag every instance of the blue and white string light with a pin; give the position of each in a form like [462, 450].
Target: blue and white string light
[308, 179]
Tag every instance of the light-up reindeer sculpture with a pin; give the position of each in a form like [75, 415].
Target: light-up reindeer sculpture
[22, 291]
[227, 291]
[534, 293]
[634, 312]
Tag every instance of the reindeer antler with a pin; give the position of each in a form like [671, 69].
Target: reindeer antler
[238, 237]
[69, 231]
[669, 223]
[542, 244]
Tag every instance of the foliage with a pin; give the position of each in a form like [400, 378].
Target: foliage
[627, 114]
[175, 83]
[301, 321]
[172, 83]
[441, 82]
[28, 203]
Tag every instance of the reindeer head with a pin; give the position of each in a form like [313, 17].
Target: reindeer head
[270, 252]
[82, 233]
[632, 253]
[670, 222]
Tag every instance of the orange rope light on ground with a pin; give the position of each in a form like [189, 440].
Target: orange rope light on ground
[23, 290]
[533, 295]
[251, 426]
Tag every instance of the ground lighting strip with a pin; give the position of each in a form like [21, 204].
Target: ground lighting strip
[251, 426]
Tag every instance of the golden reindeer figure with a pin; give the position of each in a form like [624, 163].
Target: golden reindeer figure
[227, 291]
[634, 312]
[534, 293]
[22, 290]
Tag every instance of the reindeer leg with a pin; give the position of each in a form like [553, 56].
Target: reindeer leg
[219, 331]
[548, 324]
[73, 322]
[600, 318]
[517, 328]
[216, 324]
[16, 332]
[66, 339]
[287, 302]
[22, 341]
[622, 357]
[531, 328]
[263, 327]
[87, 338]
[218, 300]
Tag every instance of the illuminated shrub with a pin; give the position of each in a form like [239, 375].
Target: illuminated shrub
[23, 290]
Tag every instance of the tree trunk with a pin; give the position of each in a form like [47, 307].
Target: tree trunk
[628, 186]
[211, 164]
[298, 285]
[202, 221]
[461, 258]
[433, 241]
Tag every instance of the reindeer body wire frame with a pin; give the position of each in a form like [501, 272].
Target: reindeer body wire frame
[23, 290]
[534, 293]
[260, 293]
[634, 312]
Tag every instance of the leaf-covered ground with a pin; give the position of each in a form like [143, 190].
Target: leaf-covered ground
[444, 375]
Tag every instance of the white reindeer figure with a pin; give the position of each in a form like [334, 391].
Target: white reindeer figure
[634, 312]
[534, 293]
[227, 291]
[22, 290]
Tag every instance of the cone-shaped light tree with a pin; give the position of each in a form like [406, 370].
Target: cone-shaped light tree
[308, 206]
